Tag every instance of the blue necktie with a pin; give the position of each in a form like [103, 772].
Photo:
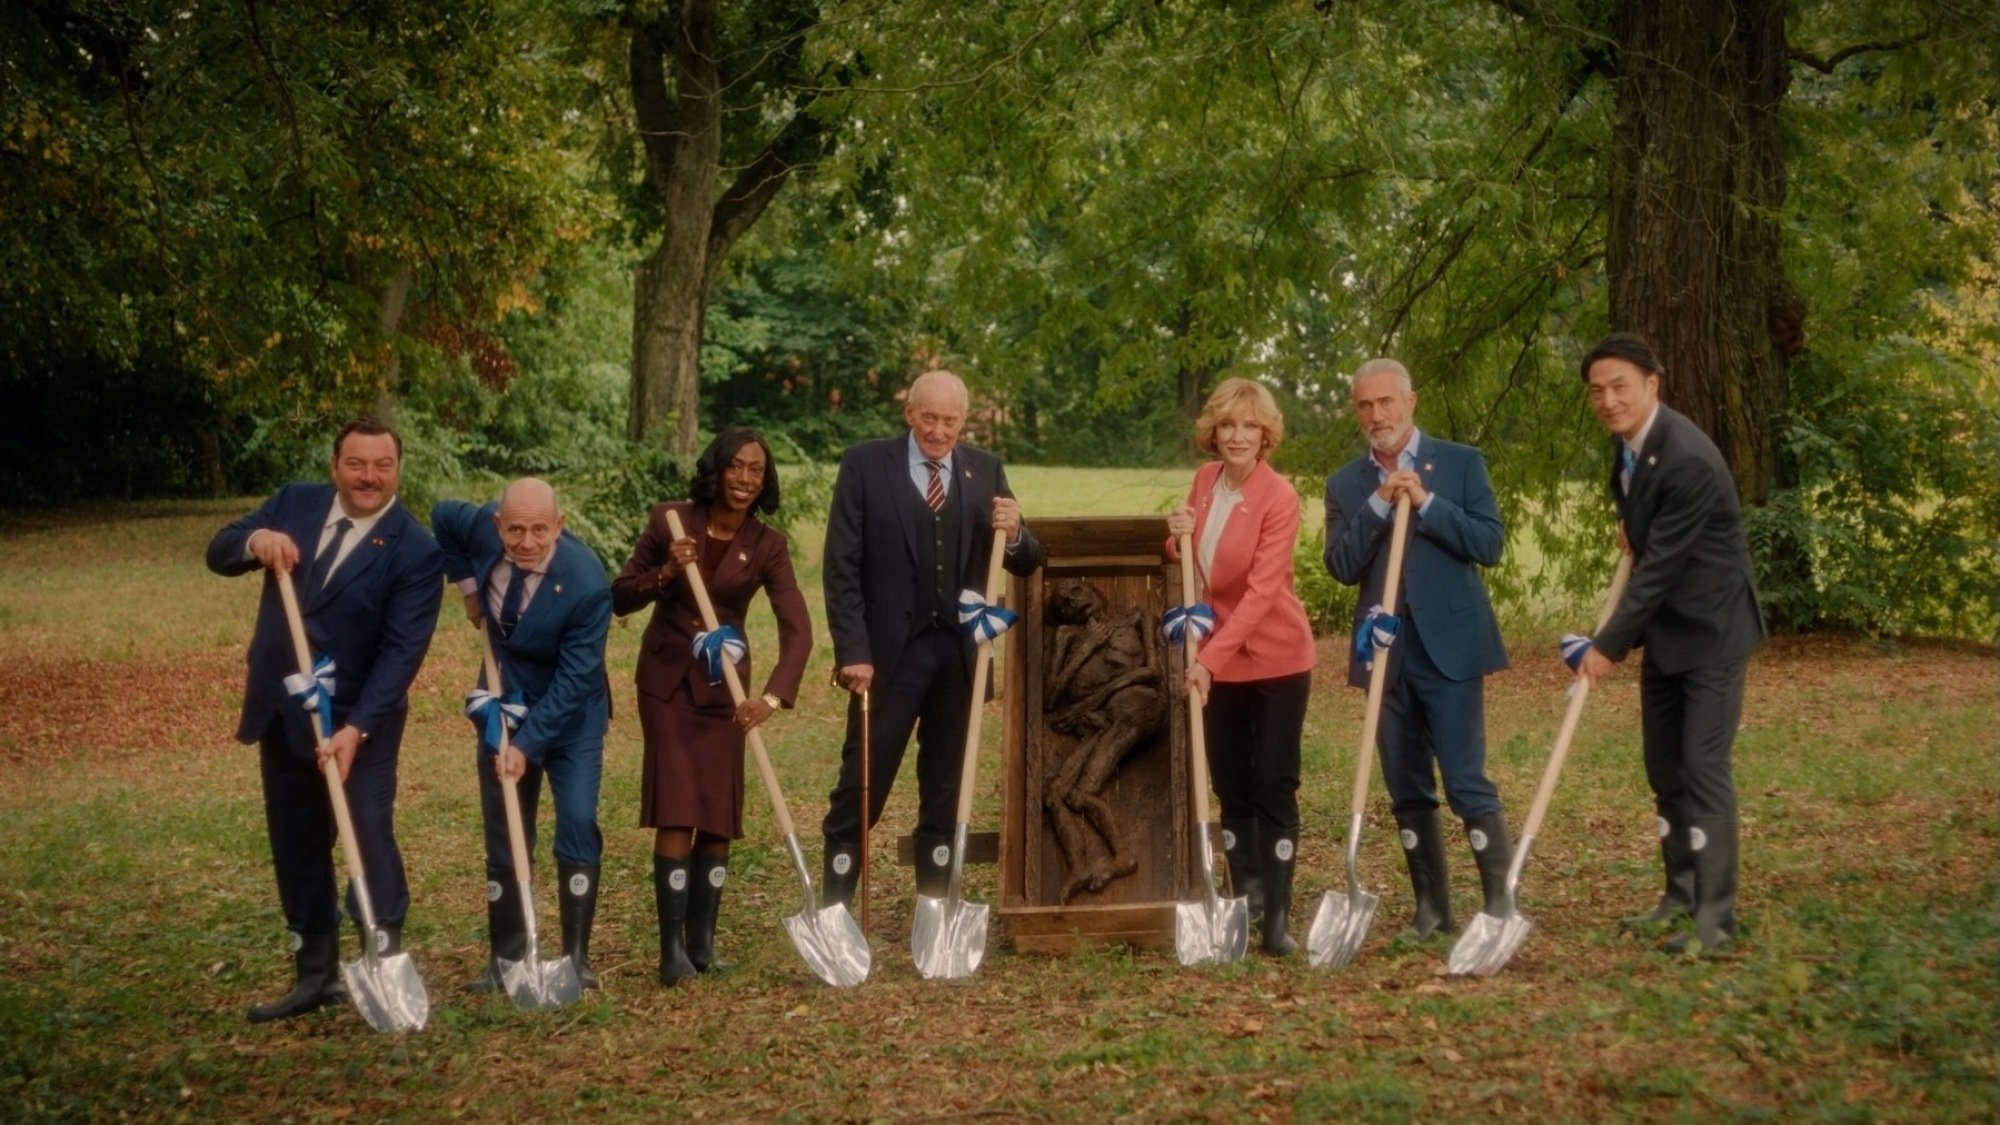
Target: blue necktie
[1630, 461]
[322, 566]
[510, 603]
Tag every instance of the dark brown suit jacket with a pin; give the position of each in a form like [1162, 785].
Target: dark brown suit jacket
[758, 557]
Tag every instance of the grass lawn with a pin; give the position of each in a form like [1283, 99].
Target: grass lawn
[138, 917]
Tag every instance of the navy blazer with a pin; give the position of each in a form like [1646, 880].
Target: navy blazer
[870, 565]
[1692, 600]
[374, 617]
[555, 656]
[1441, 590]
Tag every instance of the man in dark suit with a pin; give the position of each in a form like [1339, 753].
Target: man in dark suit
[1434, 696]
[548, 604]
[1692, 603]
[369, 595]
[912, 524]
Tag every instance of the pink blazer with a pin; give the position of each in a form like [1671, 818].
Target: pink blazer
[1261, 629]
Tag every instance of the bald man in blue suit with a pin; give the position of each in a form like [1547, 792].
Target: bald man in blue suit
[1434, 697]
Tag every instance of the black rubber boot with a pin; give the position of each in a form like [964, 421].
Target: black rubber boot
[1279, 856]
[577, 898]
[1712, 839]
[506, 935]
[1422, 836]
[1239, 852]
[317, 983]
[933, 862]
[1492, 853]
[1678, 860]
[706, 876]
[840, 870]
[670, 896]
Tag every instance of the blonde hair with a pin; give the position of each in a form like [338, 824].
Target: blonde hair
[1233, 399]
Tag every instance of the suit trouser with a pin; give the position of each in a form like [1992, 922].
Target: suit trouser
[1253, 728]
[298, 815]
[1426, 717]
[1689, 720]
[931, 693]
[575, 772]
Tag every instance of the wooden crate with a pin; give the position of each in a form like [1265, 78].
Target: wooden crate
[1123, 558]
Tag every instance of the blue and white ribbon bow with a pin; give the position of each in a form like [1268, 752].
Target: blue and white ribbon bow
[1182, 623]
[315, 693]
[1376, 632]
[495, 716]
[1573, 647]
[983, 623]
[713, 646]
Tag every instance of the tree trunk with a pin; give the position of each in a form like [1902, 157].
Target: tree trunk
[681, 132]
[1697, 195]
[683, 139]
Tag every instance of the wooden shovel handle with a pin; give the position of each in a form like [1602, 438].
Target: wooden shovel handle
[336, 790]
[1197, 733]
[753, 736]
[517, 835]
[981, 664]
[1580, 692]
[1371, 720]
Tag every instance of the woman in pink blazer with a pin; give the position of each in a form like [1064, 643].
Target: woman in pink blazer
[1255, 671]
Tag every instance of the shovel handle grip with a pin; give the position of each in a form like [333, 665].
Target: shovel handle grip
[754, 737]
[982, 663]
[336, 791]
[1580, 691]
[510, 794]
[1378, 674]
[1197, 732]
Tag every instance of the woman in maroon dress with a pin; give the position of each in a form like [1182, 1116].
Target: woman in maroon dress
[691, 790]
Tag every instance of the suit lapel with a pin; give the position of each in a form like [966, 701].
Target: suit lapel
[896, 482]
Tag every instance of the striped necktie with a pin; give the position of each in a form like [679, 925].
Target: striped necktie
[934, 491]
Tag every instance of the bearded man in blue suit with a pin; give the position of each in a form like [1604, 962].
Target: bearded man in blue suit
[546, 602]
[1434, 699]
[369, 596]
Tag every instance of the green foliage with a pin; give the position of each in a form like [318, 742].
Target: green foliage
[606, 505]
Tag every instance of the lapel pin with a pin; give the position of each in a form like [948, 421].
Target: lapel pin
[742, 556]
[376, 541]
[558, 587]
[1652, 460]
[1427, 466]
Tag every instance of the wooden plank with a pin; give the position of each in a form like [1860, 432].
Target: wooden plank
[1065, 537]
[1065, 929]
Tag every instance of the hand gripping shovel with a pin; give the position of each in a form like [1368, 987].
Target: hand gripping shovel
[386, 989]
[1215, 929]
[1341, 923]
[827, 939]
[531, 983]
[1488, 943]
[948, 935]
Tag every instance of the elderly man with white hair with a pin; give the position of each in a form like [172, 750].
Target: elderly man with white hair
[912, 523]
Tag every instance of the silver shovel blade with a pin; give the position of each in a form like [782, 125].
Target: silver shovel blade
[387, 992]
[948, 937]
[538, 985]
[1339, 927]
[832, 945]
[1205, 937]
[1487, 944]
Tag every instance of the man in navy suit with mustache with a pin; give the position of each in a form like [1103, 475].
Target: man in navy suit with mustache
[1692, 604]
[543, 597]
[367, 574]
